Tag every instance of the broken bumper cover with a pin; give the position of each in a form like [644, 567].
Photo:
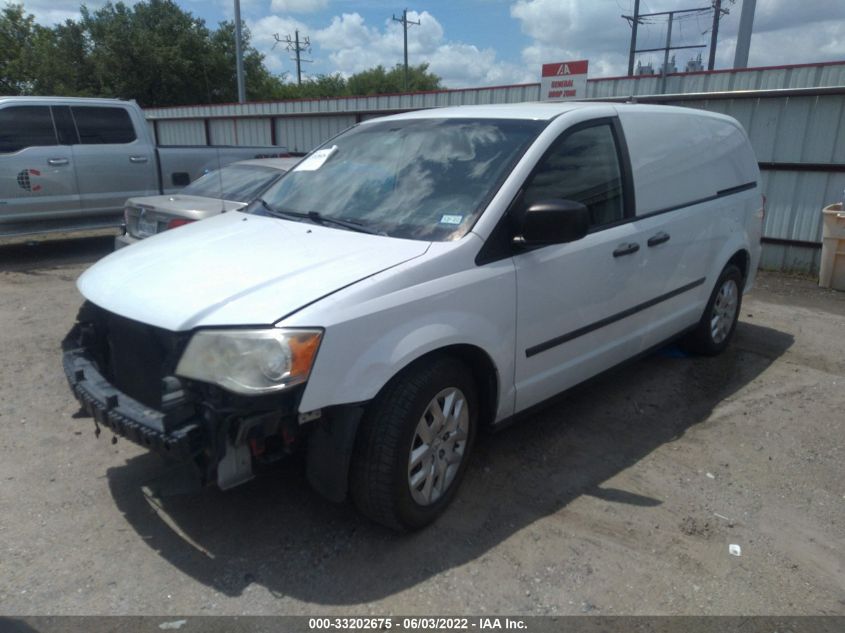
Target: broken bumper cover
[125, 416]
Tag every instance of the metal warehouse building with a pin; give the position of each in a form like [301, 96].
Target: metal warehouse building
[795, 116]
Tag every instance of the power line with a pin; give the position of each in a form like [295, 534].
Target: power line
[298, 48]
[405, 24]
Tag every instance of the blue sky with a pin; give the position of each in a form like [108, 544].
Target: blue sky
[490, 42]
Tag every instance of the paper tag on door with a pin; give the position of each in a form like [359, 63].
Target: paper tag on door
[316, 160]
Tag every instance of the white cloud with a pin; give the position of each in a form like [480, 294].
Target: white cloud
[298, 6]
[567, 30]
[354, 46]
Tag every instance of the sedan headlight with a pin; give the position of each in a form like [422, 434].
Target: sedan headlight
[250, 361]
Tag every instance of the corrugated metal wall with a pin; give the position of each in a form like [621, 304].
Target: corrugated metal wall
[784, 130]
[801, 76]
[303, 133]
[239, 131]
[185, 132]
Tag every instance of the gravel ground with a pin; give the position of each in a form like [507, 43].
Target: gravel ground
[623, 498]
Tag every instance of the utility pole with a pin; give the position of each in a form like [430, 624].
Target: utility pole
[239, 54]
[718, 12]
[743, 38]
[405, 24]
[297, 48]
[666, 51]
[635, 22]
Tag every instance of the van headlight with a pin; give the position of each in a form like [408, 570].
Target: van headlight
[250, 361]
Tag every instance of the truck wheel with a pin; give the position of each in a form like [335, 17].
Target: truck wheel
[716, 328]
[414, 443]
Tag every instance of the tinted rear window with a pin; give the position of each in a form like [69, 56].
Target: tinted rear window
[103, 125]
[25, 126]
[240, 183]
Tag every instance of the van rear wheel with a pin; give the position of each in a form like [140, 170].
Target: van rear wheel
[718, 323]
[414, 443]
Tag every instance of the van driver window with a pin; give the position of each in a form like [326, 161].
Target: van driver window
[583, 166]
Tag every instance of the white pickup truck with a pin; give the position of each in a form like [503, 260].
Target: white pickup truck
[71, 163]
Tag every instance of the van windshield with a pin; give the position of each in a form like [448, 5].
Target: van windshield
[425, 179]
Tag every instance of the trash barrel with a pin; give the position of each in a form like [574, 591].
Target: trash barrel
[832, 269]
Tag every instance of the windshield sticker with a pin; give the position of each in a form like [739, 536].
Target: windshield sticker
[316, 160]
[451, 219]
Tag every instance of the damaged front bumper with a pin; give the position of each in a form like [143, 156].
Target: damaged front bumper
[225, 437]
[127, 417]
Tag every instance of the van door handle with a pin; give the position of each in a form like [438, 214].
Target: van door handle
[626, 249]
[55, 162]
[659, 238]
[138, 159]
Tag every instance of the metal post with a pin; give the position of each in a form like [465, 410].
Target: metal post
[298, 63]
[405, 25]
[634, 23]
[405, 29]
[714, 33]
[666, 52]
[743, 38]
[239, 54]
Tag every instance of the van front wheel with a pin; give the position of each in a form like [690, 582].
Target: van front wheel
[716, 328]
[414, 443]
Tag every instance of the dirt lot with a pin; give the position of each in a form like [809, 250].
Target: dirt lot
[622, 499]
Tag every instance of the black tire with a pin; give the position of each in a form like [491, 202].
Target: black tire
[702, 339]
[379, 477]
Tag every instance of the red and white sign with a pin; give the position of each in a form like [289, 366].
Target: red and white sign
[564, 80]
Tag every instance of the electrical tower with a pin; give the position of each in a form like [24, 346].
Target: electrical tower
[405, 24]
[298, 48]
[638, 18]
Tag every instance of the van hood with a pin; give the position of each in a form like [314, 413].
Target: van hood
[236, 269]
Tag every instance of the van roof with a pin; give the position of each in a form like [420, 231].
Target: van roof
[536, 110]
[65, 100]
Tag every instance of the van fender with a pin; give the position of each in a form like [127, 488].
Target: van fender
[737, 242]
[357, 357]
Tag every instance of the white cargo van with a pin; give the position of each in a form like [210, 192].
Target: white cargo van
[417, 278]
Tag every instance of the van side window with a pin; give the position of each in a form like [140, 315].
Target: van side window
[25, 126]
[103, 125]
[582, 166]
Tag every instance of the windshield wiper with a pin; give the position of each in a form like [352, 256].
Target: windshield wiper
[282, 213]
[318, 218]
[353, 225]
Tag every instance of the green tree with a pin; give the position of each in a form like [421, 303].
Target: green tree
[378, 80]
[61, 63]
[160, 55]
[153, 52]
[16, 55]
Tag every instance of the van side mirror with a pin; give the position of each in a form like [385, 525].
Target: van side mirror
[554, 222]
